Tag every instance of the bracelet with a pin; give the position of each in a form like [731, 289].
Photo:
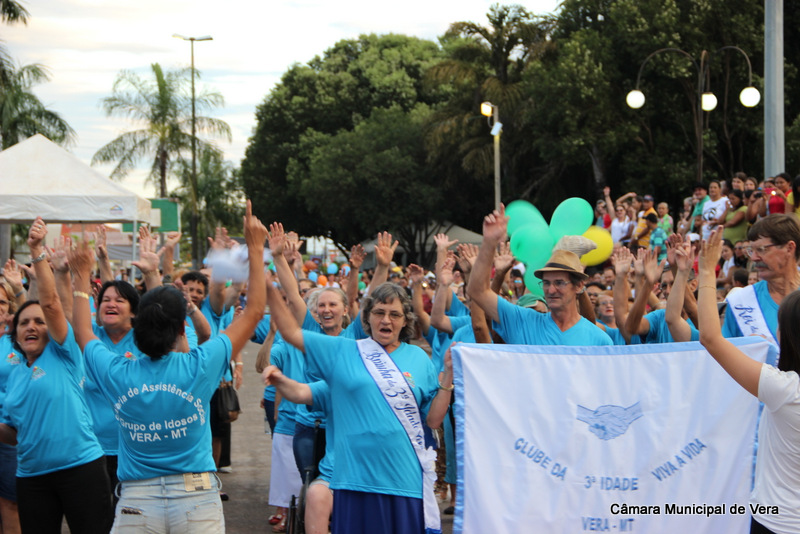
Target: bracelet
[451, 388]
[80, 294]
[19, 293]
[709, 286]
[239, 363]
[191, 312]
[38, 258]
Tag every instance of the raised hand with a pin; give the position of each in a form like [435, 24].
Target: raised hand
[148, 259]
[221, 240]
[443, 242]
[36, 233]
[13, 275]
[415, 273]
[384, 249]
[58, 254]
[466, 254]
[622, 260]
[711, 251]
[503, 259]
[100, 242]
[495, 225]
[445, 275]
[277, 239]
[255, 233]
[684, 256]
[357, 256]
[652, 267]
[81, 259]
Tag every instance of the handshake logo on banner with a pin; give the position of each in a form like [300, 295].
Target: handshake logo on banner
[609, 421]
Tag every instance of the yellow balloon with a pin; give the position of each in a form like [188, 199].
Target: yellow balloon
[605, 246]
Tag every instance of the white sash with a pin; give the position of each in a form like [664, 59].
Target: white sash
[746, 309]
[400, 398]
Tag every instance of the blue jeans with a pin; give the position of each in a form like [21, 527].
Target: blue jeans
[303, 447]
[163, 504]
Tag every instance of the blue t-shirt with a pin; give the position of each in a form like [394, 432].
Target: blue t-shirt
[9, 359]
[104, 423]
[46, 404]
[730, 328]
[457, 308]
[441, 341]
[616, 336]
[161, 406]
[218, 323]
[292, 364]
[524, 326]
[262, 330]
[373, 451]
[659, 331]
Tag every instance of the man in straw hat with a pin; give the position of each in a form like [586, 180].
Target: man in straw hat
[562, 281]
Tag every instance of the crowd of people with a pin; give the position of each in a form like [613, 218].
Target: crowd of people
[110, 410]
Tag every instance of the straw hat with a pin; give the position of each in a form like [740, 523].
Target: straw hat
[563, 261]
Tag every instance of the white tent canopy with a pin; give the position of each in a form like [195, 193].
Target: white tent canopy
[39, 178]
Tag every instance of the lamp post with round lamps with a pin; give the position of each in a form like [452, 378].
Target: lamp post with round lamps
[195, 216]
[493, 113]
[706, 100]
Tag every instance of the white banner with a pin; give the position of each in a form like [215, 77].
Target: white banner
[644, 438]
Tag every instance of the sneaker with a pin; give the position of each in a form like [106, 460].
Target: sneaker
[226, 469]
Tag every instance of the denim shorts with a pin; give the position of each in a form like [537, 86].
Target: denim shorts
[163, 504]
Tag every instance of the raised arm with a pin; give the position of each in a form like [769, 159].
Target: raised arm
[81, 260]
[278, 244]
[479, 290]
[148, 259]
[291, 390]
[441, 402]
[241, 330]
[444, 277]
[678, 327]
[443, 244]
[742, 368]
[357, 255]
[167, 253]
[646, 268]
[416, 275]
[503, 262]
[262, 359]
[103, 265]
[622, 265]
[60, 264]
[284, 320]
[57, 325]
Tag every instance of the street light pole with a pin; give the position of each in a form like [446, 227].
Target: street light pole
[704, 100]
[195, 216]
[490, 110]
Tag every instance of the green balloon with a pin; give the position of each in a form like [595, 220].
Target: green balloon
[572, 217]
[522, 213]
[532, 245]
[531, 282]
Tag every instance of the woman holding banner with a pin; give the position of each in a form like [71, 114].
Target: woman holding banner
[775, 499]
[380, 388]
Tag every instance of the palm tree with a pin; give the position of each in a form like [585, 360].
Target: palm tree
[162, 107]
[22, 114]
[483, 63]
[12, 11]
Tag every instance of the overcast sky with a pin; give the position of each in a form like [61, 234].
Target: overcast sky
[85, 43]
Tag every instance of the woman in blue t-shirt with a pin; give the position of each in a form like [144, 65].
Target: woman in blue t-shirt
[60, 469]
[161, 400]
[377, 476]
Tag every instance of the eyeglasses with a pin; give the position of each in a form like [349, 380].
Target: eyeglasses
[559, 284]
[393, 315]
[759, 250]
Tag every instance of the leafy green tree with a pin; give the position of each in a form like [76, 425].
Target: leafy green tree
[162, 108]
[329, 94]
[220, 196]
[373, 178]
[22, 114]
